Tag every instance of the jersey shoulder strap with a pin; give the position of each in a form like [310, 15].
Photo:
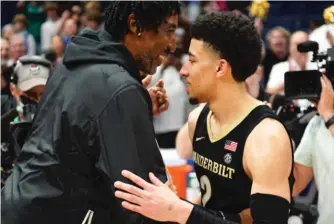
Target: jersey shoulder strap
[257, 115]
[200, 128]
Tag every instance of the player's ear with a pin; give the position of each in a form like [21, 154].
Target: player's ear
[222, 68]
[132, 24]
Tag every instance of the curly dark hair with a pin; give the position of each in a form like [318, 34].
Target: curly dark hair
[149, 15]
[234, 38]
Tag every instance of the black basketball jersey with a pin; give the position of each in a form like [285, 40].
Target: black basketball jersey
[224, 184]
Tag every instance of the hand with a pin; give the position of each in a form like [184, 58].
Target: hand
[158, 95]
[66, 14]
[246, 217]
[326, 102]
[155, 201]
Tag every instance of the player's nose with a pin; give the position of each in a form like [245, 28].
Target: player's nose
[184, 70]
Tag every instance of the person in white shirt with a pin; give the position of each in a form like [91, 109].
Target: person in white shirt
[49, 27]
[167, 124]
[297, 61]
[314, 156]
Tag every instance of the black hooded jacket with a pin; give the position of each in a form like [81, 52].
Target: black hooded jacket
[94, 120]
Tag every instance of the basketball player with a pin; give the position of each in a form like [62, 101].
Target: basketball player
[242, 152]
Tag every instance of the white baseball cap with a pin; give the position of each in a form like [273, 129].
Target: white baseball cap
[32, 71]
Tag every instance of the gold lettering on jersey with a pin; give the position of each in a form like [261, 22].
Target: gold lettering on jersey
[213, 166]
[205, 163]
[210, 165]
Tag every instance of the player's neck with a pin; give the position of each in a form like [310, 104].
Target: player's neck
[230, 102]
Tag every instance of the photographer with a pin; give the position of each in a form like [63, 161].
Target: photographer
[26, 86]
[28, 82]
[315, 155]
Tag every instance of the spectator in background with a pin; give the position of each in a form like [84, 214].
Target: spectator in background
[17, 49]
[324, 35]
[253, 83]
[92, 7]
[70, 29]
[167, 124]
[93, 20]
[4, 52]
[297, 61]
[278, 43]
[34, 10]
[7, 31]
[20, 24]
[4, 59]
[76, 13]
[58, 47]
[30, 80]
[67, 26]
[49, 27]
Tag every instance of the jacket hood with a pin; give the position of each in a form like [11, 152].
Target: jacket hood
[91, 47]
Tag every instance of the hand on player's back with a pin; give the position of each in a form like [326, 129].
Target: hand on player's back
[155, 201]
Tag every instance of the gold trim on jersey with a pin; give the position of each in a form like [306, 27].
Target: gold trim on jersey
[215, 138]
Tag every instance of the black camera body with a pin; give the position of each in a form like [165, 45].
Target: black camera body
[306, 84]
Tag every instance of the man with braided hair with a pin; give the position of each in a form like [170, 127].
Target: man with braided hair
[95, 119]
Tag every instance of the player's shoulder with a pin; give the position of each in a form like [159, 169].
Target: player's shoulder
[270, 127]
[269, 134]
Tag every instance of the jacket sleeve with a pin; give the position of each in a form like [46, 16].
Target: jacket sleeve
[127, 141]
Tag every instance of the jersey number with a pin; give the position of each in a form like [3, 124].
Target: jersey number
[206, 187]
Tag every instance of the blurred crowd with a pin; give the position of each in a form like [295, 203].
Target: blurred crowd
[35, 36]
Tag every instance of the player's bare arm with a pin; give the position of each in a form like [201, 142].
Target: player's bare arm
[268, 161]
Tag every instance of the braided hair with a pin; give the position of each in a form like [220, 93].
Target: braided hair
[149, 15]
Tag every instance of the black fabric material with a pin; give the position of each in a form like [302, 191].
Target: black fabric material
[269, 209]
[93, 121]
[208, 216]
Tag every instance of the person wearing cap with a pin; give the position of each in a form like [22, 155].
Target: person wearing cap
[28, 81]
[26, 86]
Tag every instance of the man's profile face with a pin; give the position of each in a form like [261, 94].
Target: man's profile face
[154, 45]
[200, 71]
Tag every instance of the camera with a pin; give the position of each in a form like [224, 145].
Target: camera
[306, 84]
